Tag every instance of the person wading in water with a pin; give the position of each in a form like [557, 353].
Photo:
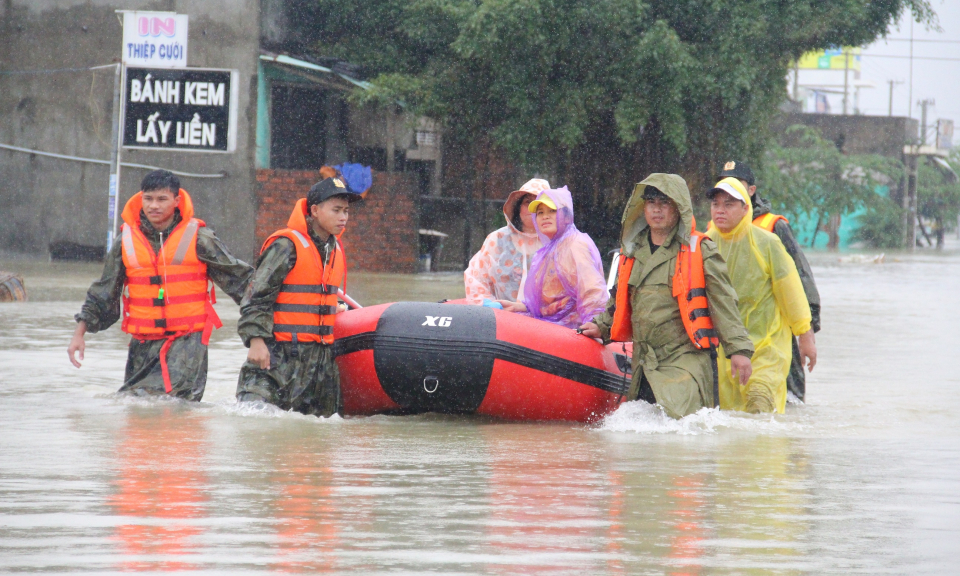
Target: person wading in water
[160, 270]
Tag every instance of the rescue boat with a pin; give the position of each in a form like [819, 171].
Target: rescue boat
[415, 357]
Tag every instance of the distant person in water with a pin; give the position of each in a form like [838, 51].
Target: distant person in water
[499, 270]
[160, 269]
[565, 284]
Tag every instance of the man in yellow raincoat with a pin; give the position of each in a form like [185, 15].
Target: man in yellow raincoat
[771, 299]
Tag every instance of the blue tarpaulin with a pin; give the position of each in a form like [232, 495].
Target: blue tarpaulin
[359, 178]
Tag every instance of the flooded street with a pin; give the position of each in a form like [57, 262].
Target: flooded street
[863, 479]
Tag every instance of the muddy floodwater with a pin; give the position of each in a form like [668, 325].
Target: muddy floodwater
[863, 479]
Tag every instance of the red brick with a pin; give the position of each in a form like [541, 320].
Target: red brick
[382, 234]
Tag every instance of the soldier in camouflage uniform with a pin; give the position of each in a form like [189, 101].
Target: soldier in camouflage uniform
[291, 362]
[186, 356]
[796, 380]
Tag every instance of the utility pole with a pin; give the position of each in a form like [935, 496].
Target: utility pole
[892, 83]
[912, 157]
[910, 95]
[846, 79]
[923, 118]
[114, 157]
[909, 222]
[796, 81]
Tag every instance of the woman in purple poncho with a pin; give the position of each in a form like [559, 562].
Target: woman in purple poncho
[565, 284]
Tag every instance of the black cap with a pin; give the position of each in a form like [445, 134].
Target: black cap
[738, 170]
[328, 188]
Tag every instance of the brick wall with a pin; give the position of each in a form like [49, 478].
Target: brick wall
[382, 233]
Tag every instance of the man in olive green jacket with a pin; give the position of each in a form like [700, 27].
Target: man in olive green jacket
[667, 368]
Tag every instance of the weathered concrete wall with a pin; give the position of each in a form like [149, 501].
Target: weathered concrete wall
[45, 199]
[884, 135]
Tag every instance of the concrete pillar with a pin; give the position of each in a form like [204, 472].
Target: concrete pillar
[909, 223]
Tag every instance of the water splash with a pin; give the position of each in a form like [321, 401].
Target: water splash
[644, 418]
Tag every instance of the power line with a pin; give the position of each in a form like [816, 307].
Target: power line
[107, 162]
[57, 70]
[911, 57]
[916, 40]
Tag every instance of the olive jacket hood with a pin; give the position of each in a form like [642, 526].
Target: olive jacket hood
[634, 223]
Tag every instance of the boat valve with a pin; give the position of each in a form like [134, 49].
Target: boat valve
[430, 384]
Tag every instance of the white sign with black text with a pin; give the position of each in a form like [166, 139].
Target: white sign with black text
[155, 39]
[193, 109]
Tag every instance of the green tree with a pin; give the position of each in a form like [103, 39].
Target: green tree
[938, 195]
[814, 178]
[596, 93]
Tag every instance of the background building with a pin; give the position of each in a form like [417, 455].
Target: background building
[294, 116]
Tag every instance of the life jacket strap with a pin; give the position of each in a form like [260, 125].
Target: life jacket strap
[169, 279]
[321, 310]
[167, 300]
[707, 333]
[164, 322]
[308, 288]
[696, 292]
[303, 329]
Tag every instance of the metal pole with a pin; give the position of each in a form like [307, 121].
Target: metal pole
[114, 158]
[890, 109]
[846, 79]
[910, 205]
[923, 119]
[923, 122]
[796, 81]
[910, 96]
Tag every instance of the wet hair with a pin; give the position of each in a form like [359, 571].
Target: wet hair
[515, 217]
[652, 193]
[160, 180]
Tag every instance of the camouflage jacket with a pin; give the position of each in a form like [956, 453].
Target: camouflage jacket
[273, 265]
[102, 306]
[783, 231]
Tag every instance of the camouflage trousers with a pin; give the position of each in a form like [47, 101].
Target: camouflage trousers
[302, 377]
[186, 363]
[797, 378]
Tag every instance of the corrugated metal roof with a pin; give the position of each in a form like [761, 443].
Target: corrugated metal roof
[303, 64]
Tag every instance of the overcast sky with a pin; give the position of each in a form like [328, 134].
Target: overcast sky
[936, 73]
[932, 79]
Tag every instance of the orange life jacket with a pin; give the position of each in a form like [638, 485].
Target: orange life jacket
[165, 294]
[689, 288]
[306, 306]
[768, 221]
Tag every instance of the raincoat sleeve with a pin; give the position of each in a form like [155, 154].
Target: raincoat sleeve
[230, 274]
[580, 279]
[788, 289]
[604, 320]
[256, 308]
[722, 299]
[102, 307]
[592, 293]
[478, 281]
[783, 231]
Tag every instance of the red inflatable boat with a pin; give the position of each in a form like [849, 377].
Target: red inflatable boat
[414, 357]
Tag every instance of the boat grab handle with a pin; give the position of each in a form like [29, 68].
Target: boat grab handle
[428, 381]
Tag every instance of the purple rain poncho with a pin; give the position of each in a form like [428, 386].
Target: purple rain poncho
[565, 284]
